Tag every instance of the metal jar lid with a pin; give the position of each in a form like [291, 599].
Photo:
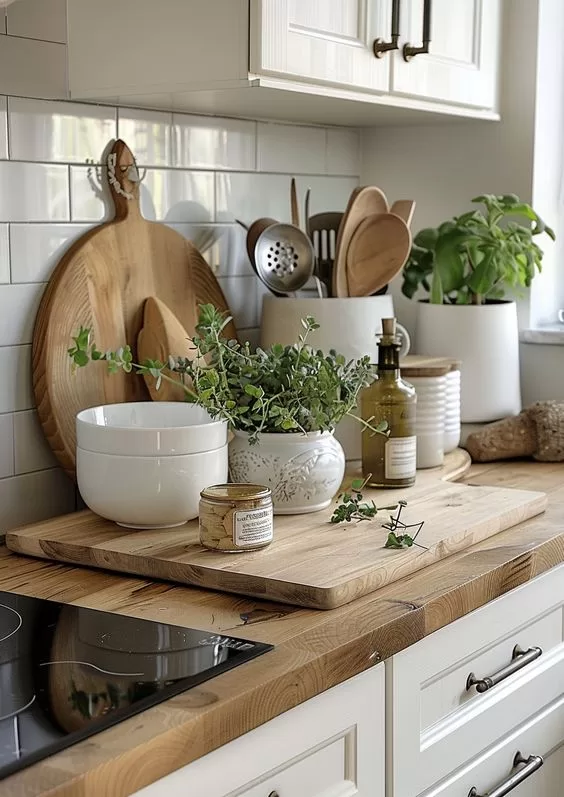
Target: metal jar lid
[237, 491]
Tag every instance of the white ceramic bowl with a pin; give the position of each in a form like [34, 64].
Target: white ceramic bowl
[147, 428]
[148, 492]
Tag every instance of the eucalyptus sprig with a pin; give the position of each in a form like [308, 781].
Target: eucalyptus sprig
[352, 505]
[280, 389]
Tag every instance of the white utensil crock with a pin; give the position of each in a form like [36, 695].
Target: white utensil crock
[486, 339]
[350, 326]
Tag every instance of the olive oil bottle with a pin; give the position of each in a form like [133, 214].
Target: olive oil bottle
[391, 460]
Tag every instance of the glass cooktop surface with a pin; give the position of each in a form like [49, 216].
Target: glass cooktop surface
[67, 672]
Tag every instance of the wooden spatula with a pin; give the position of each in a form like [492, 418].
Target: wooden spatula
[363, 202]
[378, 250]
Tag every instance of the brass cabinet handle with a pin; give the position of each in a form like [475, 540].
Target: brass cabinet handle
[409, 51]
[380, 47]
[519, 659]
[532, 763]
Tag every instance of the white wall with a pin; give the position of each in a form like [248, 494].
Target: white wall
[443, 167]
[202, 174]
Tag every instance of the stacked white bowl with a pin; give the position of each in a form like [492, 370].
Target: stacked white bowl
[143, 464]
[430, 419]
[452, 409]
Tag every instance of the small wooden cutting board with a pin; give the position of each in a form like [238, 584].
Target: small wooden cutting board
[311, 562]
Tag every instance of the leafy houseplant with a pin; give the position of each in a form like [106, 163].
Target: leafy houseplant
[475, 257]
[289, 396]
[466, 265]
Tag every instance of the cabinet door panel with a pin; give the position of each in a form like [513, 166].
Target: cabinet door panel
[462, 64]
[325, 41]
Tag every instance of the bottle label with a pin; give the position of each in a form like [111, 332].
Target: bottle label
[400, 457]
[252, 527]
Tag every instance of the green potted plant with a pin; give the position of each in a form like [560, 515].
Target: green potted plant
[466, 266]
[282, 404]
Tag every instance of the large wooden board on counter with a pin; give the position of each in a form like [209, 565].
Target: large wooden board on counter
[311, 563]
[102, 283]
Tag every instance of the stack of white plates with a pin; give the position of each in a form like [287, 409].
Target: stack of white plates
[452, 410]
[430, 419]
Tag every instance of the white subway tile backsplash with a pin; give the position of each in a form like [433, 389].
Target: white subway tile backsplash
[31, 450]
[327, 193]
[18, 308]
[59, 131]
[34, 496]
[4, 254]
[38, 19]
[343, 152]
[229, 255]
[15, 386]
[148, 134]
[290, 149]
[6, 446]
[35, 249]
[33, 68]
[178, 196]
[211, 143]
[248, 197]
[33, 192]
[3, 128]
[241, 295]
[90, 201]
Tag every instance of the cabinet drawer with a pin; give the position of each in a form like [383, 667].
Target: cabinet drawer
[329, 746]
[542, 736]
[439, 723]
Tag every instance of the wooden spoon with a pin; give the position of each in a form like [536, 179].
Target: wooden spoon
[378, 250]
[404, 208]
[364, 201]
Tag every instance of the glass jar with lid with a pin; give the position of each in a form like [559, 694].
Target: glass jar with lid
[236, 517]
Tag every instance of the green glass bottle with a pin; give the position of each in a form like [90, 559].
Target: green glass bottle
[391, 460]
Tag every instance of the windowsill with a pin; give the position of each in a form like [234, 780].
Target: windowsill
[547, 336]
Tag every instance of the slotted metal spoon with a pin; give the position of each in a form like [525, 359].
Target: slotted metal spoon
[284, 258]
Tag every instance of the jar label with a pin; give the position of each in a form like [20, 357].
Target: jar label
[252, 527]
[400, 457]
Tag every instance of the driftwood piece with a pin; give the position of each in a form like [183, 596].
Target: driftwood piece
[538, 431]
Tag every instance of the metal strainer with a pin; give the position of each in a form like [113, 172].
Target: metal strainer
[284, 258]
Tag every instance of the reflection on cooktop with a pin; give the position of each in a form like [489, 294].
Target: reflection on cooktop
[67, 672]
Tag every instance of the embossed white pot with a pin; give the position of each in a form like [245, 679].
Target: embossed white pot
[304, 471]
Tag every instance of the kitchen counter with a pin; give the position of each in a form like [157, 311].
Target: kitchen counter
[314, 650]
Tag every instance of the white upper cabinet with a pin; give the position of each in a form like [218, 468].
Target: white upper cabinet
[461, 66]
[303, 60]
[327, 41]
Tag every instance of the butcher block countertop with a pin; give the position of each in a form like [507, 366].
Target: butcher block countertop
[314, 650]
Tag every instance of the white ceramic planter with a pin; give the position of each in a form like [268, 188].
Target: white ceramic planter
[304, 472]
[486, 339]
[349, 326]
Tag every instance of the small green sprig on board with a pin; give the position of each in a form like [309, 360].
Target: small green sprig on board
[352, 505]
[396, 541]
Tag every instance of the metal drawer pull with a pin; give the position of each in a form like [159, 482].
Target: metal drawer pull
[380, 48]
[519, 659]
[532, 763]
[409, 51]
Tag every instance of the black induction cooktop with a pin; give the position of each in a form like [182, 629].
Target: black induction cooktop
[67, 672]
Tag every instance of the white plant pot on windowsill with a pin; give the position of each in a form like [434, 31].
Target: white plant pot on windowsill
[486, 339]
[304, 471]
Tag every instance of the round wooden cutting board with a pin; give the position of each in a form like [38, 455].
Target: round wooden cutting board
[102, 283]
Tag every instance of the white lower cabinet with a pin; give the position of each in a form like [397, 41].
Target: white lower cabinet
[462, 702]
[329, 746]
